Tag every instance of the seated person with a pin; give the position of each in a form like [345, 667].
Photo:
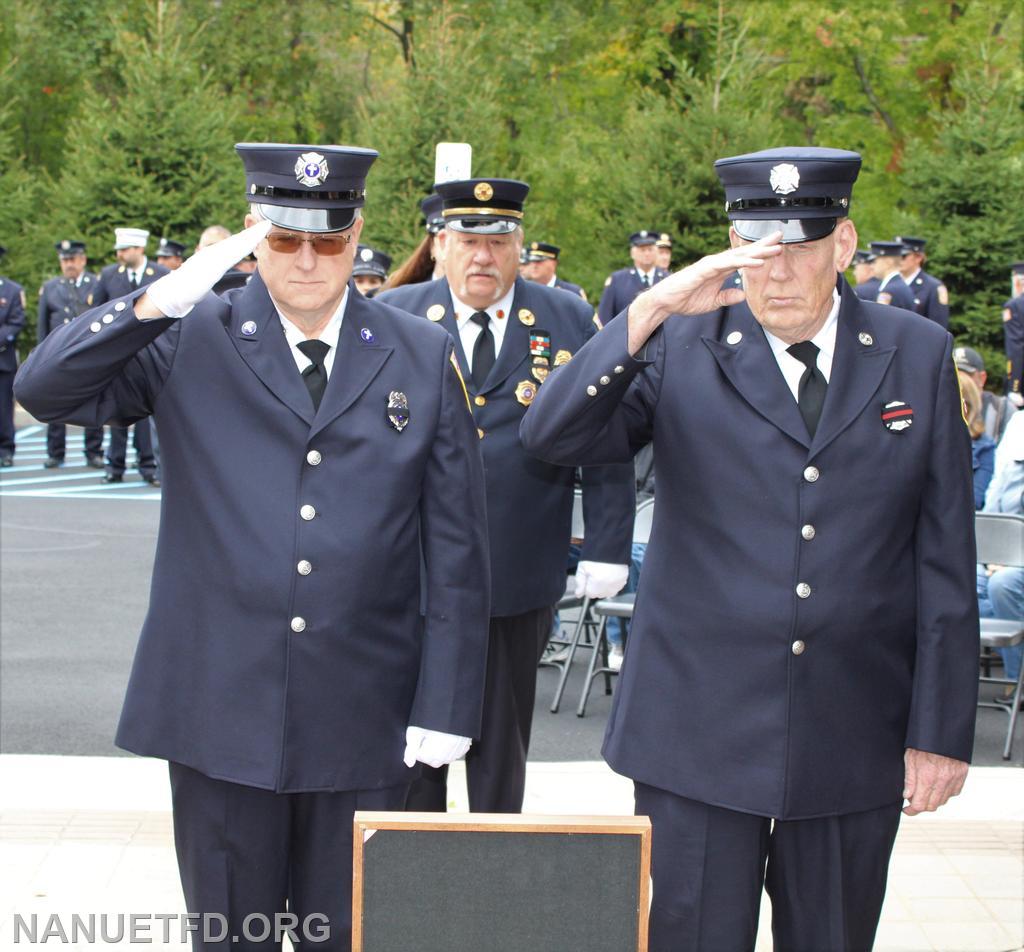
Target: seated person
[983, 447]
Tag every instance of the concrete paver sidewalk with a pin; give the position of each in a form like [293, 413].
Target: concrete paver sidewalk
[92, 836]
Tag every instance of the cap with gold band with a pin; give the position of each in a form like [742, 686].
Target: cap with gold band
[542, 251]
[664, 240]
[483, 206]
[313, 188]
[802, 192]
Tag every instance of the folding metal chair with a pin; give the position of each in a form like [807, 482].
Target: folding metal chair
[619, 606]
[1000, 541]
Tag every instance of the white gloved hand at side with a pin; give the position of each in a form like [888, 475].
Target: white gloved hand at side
[600, 579]
[433, 748]
[1016, 399]
[175, 294]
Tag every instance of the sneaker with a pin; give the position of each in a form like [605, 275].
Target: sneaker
[615, 656]
[556, 654]
[1004, 700]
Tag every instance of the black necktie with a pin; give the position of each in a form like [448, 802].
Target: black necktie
[133, 279]
[811, 395]
[483, 349]
[645, 280]
[315, 374]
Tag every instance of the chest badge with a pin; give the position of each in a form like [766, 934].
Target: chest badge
[398, 410]
[526, 390]
[526, 317]
[897, 416]
[562, 357]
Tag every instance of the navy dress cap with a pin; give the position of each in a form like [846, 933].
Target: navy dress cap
[639, 238]
[371, 261]
[860, 256]
[314, 188]
[800, 192]
[483, 206]
[170, 249]
[433, 220]
[664, 240]
[68, 248]
[1017, 267]
[887, 249]
[912, 244]
[542, 251]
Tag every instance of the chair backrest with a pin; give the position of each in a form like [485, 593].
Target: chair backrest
[577, 514]
[1000, 538]
[643, 522]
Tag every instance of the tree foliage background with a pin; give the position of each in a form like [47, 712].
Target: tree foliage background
[126, 113]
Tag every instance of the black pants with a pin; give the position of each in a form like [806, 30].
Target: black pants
[825, 877]
[496, 763]
[243, 853]
[56, 441]
[6, 414]
[118, 448]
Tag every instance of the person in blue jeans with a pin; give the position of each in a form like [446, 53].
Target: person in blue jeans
[1001, 590]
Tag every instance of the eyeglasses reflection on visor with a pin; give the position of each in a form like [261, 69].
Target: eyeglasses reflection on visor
[326, 245]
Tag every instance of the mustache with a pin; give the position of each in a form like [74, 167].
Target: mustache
[484, 272]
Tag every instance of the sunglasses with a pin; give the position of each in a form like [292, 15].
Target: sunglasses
[326, 245]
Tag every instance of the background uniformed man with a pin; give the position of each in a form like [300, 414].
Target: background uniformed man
[803, 656]
[323, 483]
[132, 271]
[540, 260]
[370, 270]
[170, 254]
[61, 300]
[1013, 336]
[509, 333]
[892, 289]
[865, 283]
[622, 286]
[664, 246]
[12, 320]
[931, 299]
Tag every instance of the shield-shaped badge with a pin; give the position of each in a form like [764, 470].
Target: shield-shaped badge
[398, 410]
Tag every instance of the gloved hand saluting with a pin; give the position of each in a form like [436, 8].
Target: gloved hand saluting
[175, 294]
[433, 748]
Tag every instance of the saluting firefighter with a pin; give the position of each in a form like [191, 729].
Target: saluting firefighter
[61, 300]
[803, 658]
[931, 299]
[509, 334]
[318, 611]
[620, 287]
[132, 271]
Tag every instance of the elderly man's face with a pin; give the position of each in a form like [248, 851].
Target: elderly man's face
[72, 267]
[306, 285]
[540, 271]
[481, 268]
[131, 257]
[644, 256]
[791, 294]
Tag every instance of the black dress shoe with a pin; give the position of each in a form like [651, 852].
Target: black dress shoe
[153, 481]
[94, 462]
[113, 478]
[6, 461]
[53, 463]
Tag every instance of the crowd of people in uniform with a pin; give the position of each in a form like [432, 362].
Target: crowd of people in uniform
[375, 604]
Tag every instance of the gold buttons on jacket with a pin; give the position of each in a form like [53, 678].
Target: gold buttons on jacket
[807, 532]
[298, 624]
[304, 567]
[313, 457]
[480, 400]
[307, 513]
[811, 474]
[798, 647]
[803, 590]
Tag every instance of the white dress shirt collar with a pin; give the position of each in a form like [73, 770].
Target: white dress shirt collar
[825, 340]
[468, 331]
[329, 335]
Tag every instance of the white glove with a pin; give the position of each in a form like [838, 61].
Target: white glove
[600, 579]
[175, 294]
[433, 748]
[1016, 399]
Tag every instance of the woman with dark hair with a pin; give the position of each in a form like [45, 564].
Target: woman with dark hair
[426, 262]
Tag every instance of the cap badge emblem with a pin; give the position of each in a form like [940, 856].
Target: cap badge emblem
[398, 410]
[483, 192]
[65, 245]
[784, 178]
[897, 416]
[249, 328]
[366, 254]
[435, 312]
[311, 169]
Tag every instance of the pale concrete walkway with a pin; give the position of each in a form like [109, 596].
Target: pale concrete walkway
[92, 835]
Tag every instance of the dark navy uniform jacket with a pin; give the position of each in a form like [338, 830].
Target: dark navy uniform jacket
[931, 299]
[529, 503]
[61, 300]
[742, 688]
[284, 646]
[620, 288]
[1013, 334]
[12, 320]
[114, 282]
[570, 287]
[895, 293]
[867, 290]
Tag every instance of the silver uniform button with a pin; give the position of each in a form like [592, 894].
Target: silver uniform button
[313, 457]
[619, 369]
[803, 590]
[734, 338]
[798, 647]
[605, 380]
[591, 391]
[107, 318]
[307, 513]
[811, 474]
[95, 326]
[304, 567]
[298, 624]
[807, 532]
[120, 306]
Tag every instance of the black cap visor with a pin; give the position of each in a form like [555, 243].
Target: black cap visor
[314, 220]
[794, 230]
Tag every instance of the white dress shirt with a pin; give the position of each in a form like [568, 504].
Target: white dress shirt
[825, 340]
[329, 335]
[469, 331]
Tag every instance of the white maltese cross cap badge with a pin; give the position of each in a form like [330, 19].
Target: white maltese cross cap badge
[784, 178]
[311, 169]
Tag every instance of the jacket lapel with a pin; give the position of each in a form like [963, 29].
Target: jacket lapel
[362, 352]
[751, 367]
[515, 347]
[442, 297]
[265, 349]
